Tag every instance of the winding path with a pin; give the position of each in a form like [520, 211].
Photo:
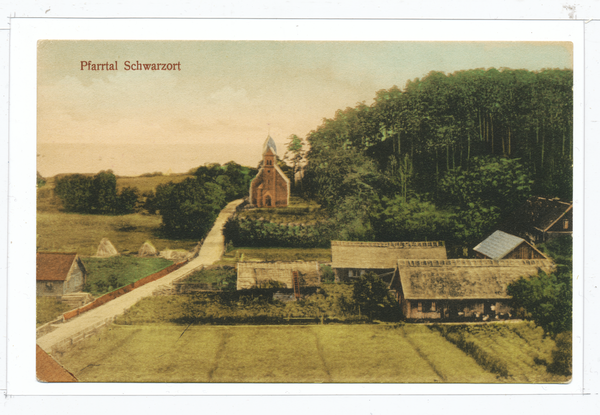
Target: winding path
[85, 325]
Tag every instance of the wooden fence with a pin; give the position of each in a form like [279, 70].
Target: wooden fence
[123, 290]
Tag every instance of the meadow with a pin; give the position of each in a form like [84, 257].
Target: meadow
[397, 353]
[59, 231]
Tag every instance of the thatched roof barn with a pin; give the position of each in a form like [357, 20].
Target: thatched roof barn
[252, 274]
[456, 286]
[147, 250]
[106, 249]
[540, 219]
[49, 370]
[59, 273]
[350, 259]
[501, 245]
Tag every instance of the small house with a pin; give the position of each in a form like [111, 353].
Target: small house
[255, 274]
[353, 259]
[58, 274]
[540, 219]
[455, 289]
[271, 187]
[501, 245]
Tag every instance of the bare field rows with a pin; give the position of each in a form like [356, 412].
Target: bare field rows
[320, 353]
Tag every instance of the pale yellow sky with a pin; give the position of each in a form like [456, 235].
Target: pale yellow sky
[228, 95]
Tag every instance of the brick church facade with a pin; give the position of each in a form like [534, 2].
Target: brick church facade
[270, 187]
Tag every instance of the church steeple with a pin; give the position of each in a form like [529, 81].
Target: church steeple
[269, 143]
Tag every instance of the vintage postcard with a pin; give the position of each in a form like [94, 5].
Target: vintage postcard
[317, 212]
[295, 211]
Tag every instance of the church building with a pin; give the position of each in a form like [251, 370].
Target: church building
[270, 187]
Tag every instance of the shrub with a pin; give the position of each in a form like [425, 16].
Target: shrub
[374, 299]
[562, 355]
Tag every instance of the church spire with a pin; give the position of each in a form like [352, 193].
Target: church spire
[269, 143]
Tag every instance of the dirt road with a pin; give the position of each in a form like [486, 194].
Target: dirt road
[88, 323]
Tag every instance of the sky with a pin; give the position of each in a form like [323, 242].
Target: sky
[228, 95]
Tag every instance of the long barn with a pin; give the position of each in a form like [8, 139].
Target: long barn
[460, 288]
[352, 259]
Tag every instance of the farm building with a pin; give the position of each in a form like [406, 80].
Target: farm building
[58, 274]
[540, 219]
[501, 245]
[253, 274]
[460, 288]
[270, 187]
[352, 259]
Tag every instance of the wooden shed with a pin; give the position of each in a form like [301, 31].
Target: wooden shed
[501, 245]
[455, 289]
[252, 274]
[352, 259]
[58, 274]
[540, 219]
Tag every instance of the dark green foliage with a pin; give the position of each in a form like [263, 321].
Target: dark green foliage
[474, 142]
[374, 299]
[75, 192]
[95, 194]
[257, 233]
[327, 274]
[127, 200]
[548, 299]
[411, 220]
[562, 355]
[189, 208]
[104, 194]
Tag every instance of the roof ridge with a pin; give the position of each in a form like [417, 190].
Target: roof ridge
[467, 262]
[399, 244]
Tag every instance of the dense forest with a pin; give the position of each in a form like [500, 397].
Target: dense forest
[447, 157]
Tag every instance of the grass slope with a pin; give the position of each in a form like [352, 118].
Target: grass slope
[48, 309]
[72, 232]
[319, 353]
[103, 272]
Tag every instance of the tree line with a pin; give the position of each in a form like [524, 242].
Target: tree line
[448, 155]
[188, 208]
[95, 194]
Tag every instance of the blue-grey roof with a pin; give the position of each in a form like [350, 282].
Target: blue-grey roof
[498, 245]
[269, 143]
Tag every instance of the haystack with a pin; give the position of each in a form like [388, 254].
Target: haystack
[106, 249]
[147, 249]
[175, 255]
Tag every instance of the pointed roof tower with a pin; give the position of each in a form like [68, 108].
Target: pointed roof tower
[269, 143]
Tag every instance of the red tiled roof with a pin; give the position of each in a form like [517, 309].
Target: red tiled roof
[54, 266]
[49, 370]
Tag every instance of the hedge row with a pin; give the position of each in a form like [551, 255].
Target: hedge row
[247, 232]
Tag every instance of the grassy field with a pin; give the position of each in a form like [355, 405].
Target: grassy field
[276, 254]
[319, 353]
[520, 350]
[48, 309]
[145, 184]
[108, 274]
[72, 232]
